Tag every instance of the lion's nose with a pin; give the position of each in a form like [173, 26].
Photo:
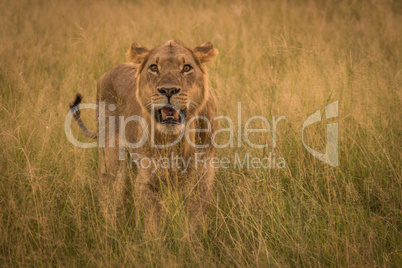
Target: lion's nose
[168, 91]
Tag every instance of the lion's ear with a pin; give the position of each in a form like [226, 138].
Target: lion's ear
[137, 53]
[206, 52]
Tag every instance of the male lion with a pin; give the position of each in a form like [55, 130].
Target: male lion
[150, 101]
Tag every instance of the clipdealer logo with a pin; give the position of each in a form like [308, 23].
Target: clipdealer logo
[330, 156]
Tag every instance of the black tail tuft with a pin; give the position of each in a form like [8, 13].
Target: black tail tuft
[77, 101]
[74, 107]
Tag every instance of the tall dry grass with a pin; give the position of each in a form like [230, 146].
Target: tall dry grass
[278, 58]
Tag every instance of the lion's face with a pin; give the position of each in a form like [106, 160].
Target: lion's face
[172, 83]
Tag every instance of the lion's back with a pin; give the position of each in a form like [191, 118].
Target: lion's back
[117, 84]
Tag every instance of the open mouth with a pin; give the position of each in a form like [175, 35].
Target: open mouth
[170, 115]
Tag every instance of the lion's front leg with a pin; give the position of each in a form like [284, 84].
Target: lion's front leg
[113, 184]
[150, 199]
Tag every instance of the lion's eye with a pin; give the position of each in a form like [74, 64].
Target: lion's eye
[187, 68]
[153, 68]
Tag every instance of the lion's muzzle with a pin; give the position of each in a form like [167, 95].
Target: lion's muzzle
[170, 115]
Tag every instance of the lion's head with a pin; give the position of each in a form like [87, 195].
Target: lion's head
[172, 82]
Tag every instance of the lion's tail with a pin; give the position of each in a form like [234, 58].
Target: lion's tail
[75, 110]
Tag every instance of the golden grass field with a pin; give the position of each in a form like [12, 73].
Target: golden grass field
[286, 58]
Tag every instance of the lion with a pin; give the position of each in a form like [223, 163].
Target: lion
[164, 92]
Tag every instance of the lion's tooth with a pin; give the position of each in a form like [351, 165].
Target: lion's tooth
[163, 114]
[176, 115]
